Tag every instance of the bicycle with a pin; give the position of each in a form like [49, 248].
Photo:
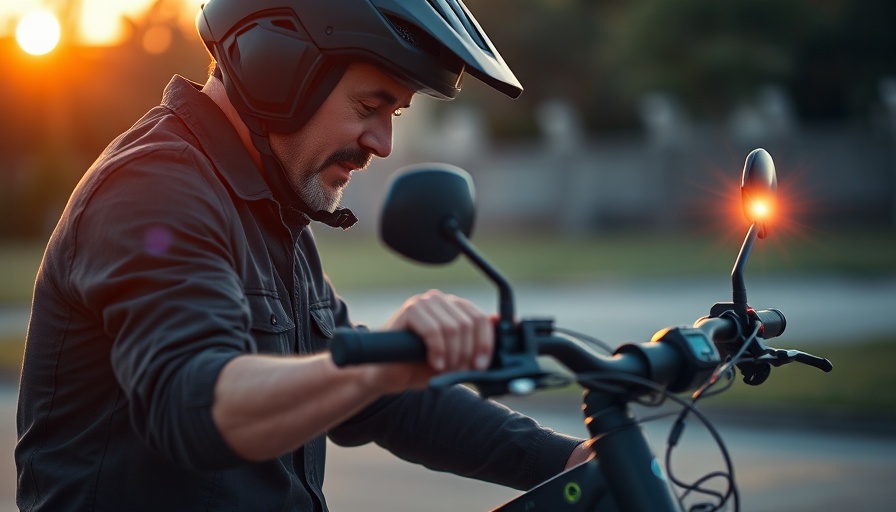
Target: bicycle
[428, 217]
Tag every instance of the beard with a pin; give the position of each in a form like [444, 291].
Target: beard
[319, 195]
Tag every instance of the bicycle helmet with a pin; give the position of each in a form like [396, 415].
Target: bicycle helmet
[280, 59]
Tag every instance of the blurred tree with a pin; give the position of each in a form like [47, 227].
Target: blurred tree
[852, 49]
[710, 54]
[552, 46]
[713, 55]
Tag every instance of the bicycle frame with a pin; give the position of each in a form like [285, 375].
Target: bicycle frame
[637, 481]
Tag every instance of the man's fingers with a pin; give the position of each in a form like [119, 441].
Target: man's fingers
[457, 334]
[483, 335]
[455, 329]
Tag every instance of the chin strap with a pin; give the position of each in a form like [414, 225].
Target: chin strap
[339, 218]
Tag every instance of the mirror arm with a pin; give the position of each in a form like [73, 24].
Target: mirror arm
[451, 230]
[739, 288]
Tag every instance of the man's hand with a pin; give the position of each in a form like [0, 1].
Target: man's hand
[580, 455]
[458, 336]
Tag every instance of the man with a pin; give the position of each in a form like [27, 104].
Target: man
[176, 358]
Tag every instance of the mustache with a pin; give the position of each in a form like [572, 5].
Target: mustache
[357, 157]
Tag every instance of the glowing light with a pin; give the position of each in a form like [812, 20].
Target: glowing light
[38, 32]
[760, 209]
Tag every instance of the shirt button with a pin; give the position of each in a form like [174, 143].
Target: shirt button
[273, 319]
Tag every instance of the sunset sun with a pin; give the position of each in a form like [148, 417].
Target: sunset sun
[38, 32]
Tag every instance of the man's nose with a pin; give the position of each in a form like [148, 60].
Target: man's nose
[378, 138]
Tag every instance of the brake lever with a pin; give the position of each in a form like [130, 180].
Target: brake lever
[757, 369]
[779, 357]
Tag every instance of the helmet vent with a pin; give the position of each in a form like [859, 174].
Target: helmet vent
[414, 36]
[285, 23]
[469, 25]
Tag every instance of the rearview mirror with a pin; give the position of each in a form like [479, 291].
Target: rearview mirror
[759, 189]
[422, 200]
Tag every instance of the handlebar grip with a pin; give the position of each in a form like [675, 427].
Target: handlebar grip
[773, 322]
[351, 346]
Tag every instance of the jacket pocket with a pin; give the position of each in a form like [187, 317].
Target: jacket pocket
[323, 325]
[272, 326]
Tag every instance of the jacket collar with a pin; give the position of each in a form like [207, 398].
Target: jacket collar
[217, 137]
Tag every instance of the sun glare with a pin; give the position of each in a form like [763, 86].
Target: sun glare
[38, 32]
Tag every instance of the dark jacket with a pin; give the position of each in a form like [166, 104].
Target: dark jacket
[172, 257]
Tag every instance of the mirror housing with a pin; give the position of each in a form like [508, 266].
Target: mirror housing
[758, 189]
[420, 204]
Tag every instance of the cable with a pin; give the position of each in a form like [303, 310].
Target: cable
[727, 475]
[727, 366]
[591, 340]
[724, 370]
[598, 381]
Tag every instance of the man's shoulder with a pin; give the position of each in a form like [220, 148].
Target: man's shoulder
[157, 162]
[158, 134]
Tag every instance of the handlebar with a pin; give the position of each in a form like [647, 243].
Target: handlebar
[677, 358]
[352, 346]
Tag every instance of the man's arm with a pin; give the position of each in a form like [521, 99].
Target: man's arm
[265, 406]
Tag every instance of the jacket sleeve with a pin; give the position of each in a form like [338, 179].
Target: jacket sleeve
[457, 431]
[154, 259]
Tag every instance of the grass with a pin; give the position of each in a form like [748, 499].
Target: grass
[11, 350]
[18, 266]
[548, 257]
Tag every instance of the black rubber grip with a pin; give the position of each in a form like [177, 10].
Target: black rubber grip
[350, 346]
[773, 322]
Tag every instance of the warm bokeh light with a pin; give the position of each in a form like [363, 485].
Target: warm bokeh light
[102, 22]
[38, 32]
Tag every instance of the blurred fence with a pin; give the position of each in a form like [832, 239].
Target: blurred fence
[666, 177]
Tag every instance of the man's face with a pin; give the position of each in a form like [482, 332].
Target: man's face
[353, 124]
